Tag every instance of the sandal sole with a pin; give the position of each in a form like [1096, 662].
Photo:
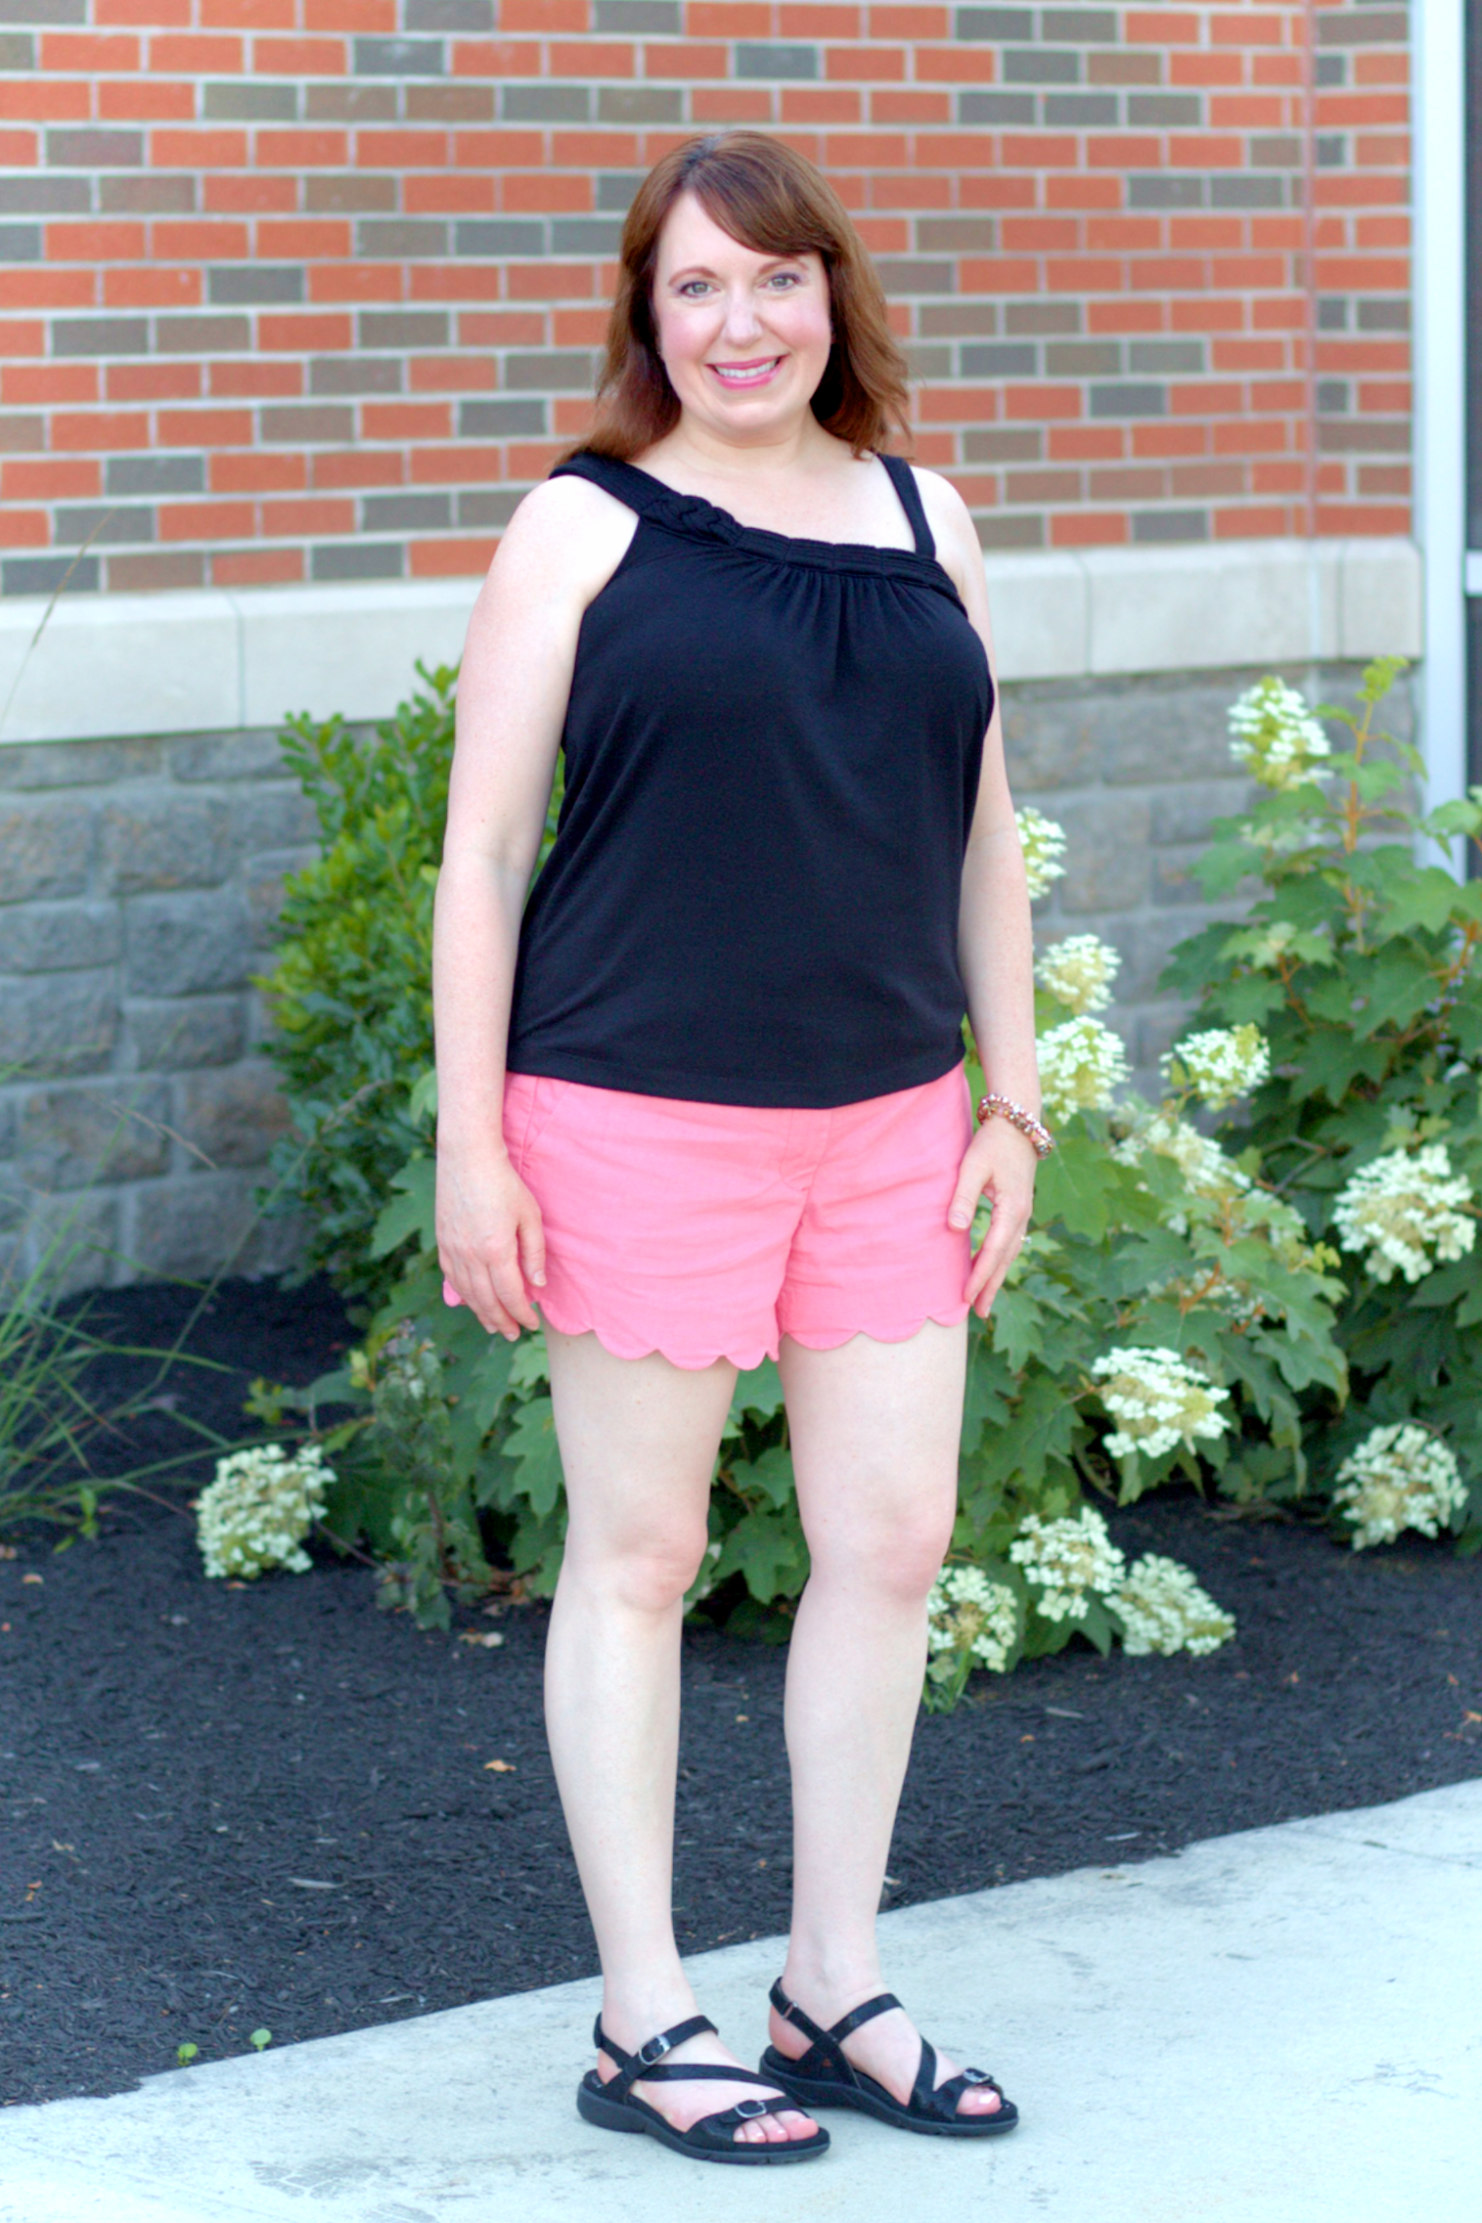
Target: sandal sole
[813, 2097]
[630, 2118]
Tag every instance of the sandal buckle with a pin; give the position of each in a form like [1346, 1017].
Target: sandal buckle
[751, 2108]
[976, 2076]
[653, 2049]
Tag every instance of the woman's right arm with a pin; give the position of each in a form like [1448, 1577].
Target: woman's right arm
[562, 545]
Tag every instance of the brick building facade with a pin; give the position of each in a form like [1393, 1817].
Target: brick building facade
[310, 289]
[297, 296]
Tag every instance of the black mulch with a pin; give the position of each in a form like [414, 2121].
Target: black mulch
[273, 1806]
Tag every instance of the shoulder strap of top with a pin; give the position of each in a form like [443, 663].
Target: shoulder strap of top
[636, 489]
[903, 478]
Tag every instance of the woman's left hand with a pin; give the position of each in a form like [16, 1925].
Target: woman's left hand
[1000, 1164]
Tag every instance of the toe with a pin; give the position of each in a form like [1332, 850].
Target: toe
[979, 2099]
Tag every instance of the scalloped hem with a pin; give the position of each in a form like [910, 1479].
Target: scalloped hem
[831, 1340]
[621, 1344]
[624, 1345]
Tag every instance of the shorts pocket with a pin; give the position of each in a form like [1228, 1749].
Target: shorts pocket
[545, 1102]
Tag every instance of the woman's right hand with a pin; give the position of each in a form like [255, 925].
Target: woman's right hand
[490, 1240]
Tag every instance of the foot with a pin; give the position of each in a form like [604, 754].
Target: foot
[887, 2048]
[682, 2105]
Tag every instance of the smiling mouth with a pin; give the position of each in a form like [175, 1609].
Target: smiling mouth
[745, 374]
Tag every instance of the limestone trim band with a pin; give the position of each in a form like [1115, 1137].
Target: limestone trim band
[110, 666]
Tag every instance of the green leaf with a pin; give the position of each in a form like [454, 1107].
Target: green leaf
[531, 1448]
[766, 1547]
[1076, 1185]
[770, 1476]
[412, 1211]
[758, 1391]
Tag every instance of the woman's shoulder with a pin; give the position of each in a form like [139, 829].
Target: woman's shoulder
[946, 511]
[567, 528]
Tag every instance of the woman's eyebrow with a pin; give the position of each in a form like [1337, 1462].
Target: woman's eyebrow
[703, 270]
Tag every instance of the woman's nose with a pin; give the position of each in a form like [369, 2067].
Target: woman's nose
[742, 322]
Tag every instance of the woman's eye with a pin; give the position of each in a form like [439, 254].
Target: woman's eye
[692, 289]
[786, 278]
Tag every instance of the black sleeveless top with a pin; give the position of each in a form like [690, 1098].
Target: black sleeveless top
[772, 753]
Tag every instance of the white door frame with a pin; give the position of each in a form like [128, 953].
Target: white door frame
[1439, 143]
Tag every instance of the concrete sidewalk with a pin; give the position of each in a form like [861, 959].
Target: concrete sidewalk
[1279, 2027]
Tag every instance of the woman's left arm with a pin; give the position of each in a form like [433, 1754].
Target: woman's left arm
[995, 946]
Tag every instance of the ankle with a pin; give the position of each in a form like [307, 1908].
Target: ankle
[826, 1986]
[636, 2010]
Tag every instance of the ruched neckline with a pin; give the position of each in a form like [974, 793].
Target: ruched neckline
[697, 518]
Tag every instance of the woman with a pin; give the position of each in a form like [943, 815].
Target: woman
[704, 1097]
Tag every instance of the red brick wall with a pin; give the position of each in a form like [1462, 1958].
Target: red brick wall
[308, 289]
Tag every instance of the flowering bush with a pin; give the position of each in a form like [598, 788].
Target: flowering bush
[1157, 1400]
[255, 1513]
[1401, 1208]
[1082, 1064]
[1163, 1609]
[1357, 964]
[1062, 1577]
[1172, 1312]
[1079, 972]
[1043, 844]
[1399, 1477]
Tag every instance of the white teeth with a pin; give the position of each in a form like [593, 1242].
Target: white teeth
[751, 376]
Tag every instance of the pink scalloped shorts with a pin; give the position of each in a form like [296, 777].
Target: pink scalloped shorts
[706, 1231]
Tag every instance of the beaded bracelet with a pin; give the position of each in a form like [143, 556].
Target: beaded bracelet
[1032, 1129]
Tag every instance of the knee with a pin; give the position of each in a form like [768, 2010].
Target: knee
[897, 1559]
[645, 1573]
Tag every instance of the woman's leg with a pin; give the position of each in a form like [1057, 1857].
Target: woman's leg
[874, 1430]
[638, 1442]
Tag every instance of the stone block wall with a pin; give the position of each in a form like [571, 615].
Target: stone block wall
[139, 896]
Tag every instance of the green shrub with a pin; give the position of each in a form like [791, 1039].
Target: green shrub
[1358, 961]
[1174, 1310]
[351, 981]
[1166, 1308]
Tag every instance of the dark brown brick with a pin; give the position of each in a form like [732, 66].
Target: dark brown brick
[350, 193]
[160, 195]
[305, 422]
[350, 104]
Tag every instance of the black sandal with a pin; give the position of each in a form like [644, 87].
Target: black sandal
[616, 2106]
[824, 2076]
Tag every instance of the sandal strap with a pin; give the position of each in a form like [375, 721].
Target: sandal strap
[881, 2004]
[828, 2044]
[631, 2066]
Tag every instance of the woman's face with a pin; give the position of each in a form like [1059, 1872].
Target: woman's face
[744, 336]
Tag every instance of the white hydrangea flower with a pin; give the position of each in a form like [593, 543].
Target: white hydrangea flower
[1164, 1609]
[968, 1611]
[1400, 1208]
[1400, 1477]
[1219, 1065]
[1157, 1400]
[1202, 1163]
[256, 1511]
[1275, 736]
[1082, 1064]
[1079, 972]
[1043, 843]
[1068, 1561]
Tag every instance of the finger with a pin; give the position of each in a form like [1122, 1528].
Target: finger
[531, 1237]
[965, 1197]
[471, 1278]
[509, 1288]
[450, 1294]
[996, 1253]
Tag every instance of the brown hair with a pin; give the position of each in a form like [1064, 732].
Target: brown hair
[772, 200]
